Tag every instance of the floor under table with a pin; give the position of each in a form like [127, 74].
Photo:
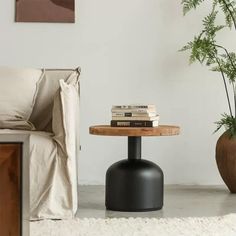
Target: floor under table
[179, 201]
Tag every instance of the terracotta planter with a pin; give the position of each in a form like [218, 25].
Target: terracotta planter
[226, 160]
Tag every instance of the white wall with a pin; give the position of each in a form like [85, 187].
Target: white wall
[128, 51]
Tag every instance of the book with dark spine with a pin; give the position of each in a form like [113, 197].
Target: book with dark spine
[134, 123]
[134, 114]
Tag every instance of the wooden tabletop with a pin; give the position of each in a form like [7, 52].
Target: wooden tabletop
[161, 130]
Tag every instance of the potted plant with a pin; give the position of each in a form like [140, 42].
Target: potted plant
[205, 49]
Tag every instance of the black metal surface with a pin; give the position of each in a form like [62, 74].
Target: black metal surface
[134, 184]
[134, 148]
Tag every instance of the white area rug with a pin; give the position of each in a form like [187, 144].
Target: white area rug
[205, 226]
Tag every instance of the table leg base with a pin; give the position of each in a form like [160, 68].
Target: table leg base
[134, 185]
[138, 210]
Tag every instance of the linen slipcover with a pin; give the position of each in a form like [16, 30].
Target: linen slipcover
[65, 114]
[53, 174]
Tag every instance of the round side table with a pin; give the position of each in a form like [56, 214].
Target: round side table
[134, 184]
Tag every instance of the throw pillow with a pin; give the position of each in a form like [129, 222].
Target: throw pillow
[18, 90]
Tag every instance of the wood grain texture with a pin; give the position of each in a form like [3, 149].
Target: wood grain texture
[226, 160]
[162, 130]
[10, 155]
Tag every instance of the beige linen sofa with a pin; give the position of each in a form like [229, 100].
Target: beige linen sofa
[53, 157]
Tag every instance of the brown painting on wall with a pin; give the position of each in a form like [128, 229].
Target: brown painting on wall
[45, 11]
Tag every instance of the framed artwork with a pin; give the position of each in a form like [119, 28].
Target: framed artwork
[45, 11]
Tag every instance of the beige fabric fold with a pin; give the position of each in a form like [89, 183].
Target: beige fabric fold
[64, 125]
[45, 97]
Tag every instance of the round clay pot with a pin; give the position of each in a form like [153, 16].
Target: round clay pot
[226, 160]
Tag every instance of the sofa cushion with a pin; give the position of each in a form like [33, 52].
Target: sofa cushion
[18, 89]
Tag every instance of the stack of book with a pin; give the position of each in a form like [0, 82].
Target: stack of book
[134, 116]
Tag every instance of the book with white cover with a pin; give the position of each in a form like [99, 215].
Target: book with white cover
[134, 106]
[134, 110]
[152, 118]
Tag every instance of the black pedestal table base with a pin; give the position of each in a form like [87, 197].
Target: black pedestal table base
[134, 184]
